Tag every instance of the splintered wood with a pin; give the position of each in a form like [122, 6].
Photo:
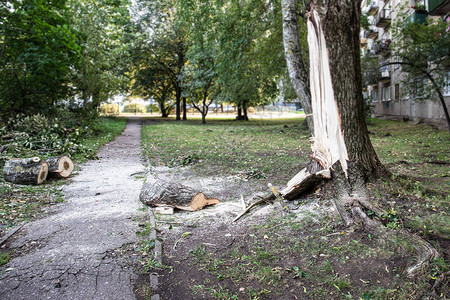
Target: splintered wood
[328, 143]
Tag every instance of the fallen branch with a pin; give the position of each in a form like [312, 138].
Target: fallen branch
[261, 200]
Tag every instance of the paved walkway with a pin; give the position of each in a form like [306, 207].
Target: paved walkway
[75, 252]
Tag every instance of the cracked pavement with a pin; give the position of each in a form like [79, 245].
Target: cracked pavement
[79, 252]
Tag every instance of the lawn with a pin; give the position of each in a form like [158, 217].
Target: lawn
[307, 254]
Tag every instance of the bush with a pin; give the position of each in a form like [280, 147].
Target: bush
[110, 109]
[38, 136]
[152, 108]
[133, 107]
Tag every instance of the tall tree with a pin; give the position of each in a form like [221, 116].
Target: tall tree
[199, 74]
[341, 146]
[162, 27]
[295, 52]
[249, 62]
[103, 26]
[38, 49]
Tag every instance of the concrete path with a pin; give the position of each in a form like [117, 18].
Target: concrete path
[75, 253]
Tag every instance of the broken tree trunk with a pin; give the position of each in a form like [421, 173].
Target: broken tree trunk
[337, 106]
[60, 166]
[25, 171]
[156, 192]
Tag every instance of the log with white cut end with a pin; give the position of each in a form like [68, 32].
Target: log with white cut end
[25, 170]
[60, 166]
[157, 192]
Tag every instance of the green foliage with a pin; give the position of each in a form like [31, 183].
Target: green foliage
[110, 109]
[4, 258]
[158, 57]
[67, 134]
[39, 47]
[134, 108]
[152, 108]
[426, 62]
[105, 36]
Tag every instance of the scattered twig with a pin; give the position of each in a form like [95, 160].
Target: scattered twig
[4, 148]
[9, 234]
[262, 200]
[179, 240]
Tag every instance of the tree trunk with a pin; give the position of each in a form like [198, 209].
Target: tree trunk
[441, 99]
[343, 51]
[156, 192]
[25, 171]
[341, 141]
[184, 109]
[295, 59]
[245, 110]
[178, 102]
[180, 54]
[60, 166]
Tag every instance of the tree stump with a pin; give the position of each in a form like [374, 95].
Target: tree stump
[59, 166]
[156, 192]
[25, 170]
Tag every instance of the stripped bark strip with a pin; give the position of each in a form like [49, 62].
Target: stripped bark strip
[328, 143]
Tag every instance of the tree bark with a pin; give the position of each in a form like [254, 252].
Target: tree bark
[441, 99]
[60, 166]
[156, 192]
[25, 171]
[345, 70]
[294, 55]
[184, 109]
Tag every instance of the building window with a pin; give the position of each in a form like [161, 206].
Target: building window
[447, 83]
[374, 95]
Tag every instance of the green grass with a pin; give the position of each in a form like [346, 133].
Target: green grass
[4, 258]
[257, 148]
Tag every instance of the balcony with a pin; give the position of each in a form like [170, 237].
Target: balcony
[385, 74]
[372, 8]
[438, 7]
[384, 18]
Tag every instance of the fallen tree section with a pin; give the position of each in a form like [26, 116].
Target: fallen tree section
[156, 192]
[59, 166]
[25, 170]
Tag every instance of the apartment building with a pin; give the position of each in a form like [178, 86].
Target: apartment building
[384, 85]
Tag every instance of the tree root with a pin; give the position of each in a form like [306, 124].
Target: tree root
[404, 238]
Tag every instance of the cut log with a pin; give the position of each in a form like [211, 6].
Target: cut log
[200, 200]
[156, 192]
[60, 166]
[25, 171]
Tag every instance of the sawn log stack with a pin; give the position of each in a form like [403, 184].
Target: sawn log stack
[35, 171]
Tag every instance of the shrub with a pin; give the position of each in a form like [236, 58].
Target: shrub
[133, 107]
